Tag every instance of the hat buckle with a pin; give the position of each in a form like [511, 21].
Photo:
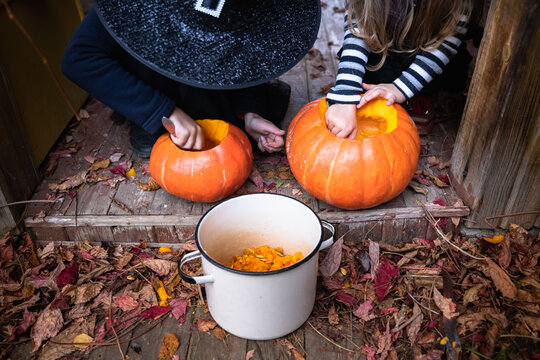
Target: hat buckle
[210, 7]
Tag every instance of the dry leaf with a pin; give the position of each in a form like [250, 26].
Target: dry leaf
[161, 267]
[471, 294]
[126, 302]
[219, 333]
[419, 188]
[333, 317]
[151, 185]
[373, 258]
[332, 260]
[502, 280]
[206, 325]
[53, 351]
[70, 182]
[103, 164]
[250, 354]
[87, 292]
[47, 325]
[414, 328]
[169, 346]
[82, 338]
[446, 305]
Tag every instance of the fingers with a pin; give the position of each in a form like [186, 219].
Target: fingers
[188, 137]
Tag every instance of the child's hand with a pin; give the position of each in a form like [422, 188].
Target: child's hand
[341, 120]
[187, 133]
[385, 91]
[268, 136]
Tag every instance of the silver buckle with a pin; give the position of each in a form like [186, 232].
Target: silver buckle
[210, 7]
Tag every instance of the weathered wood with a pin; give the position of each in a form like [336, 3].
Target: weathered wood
[150, 343]
[318, 347]
[495, 163]
[205, 346]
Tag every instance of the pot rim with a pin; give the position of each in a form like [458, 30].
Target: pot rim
[259, 273]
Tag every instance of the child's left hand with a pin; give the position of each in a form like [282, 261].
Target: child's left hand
[385, 91]
[268, 136]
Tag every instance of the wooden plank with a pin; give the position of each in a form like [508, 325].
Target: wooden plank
[134, 234]
[500, 118]
[320, 348]
[89, 233]
[205, 346]
[94, 199]
[150, 343]
[46, 235]
[165, 203]
[118, 220]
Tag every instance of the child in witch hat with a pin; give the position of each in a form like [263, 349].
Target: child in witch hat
[187, 60]
[394, 49]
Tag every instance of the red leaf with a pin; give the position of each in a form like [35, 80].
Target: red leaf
[345, 298]
[386, 272]
[155, 311]
[271, 186]
[256, 178]
[332, 284]
[178, 308]
[439, 201]
[365, 311]
[28, 320]
[68, 276]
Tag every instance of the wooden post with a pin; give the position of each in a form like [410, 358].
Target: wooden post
[496, 159]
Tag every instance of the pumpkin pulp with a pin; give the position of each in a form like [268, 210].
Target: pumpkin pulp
[373, 119]
[263, 258]
[213, 132]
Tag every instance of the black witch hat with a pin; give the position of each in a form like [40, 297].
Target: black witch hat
[214, 44]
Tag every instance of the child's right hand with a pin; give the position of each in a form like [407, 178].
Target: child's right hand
[382, 91]
[341, 120]
[187, 133]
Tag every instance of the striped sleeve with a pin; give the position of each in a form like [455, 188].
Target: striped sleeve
[428, 64]
[351, 70]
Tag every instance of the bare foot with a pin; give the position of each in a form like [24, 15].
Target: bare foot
[268, 136]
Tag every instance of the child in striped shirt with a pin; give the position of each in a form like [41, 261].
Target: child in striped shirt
[392, 49]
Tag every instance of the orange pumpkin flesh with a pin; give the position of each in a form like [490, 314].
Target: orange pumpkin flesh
[208, 175]
[357, 173]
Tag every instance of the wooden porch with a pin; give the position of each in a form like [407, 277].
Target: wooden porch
[125, 213]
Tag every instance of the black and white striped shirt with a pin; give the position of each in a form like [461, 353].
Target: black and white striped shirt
[425, 66]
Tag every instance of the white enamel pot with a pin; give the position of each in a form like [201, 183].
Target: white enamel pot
[259, 305]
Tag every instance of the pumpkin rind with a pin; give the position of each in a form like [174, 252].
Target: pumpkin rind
[202, 176]
[347, 173]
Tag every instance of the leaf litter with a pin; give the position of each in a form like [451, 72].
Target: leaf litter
[418, 300]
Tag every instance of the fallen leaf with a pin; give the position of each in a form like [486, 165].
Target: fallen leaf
[151, 185]
[87, 292]
[333, 317]
[103, 164]
[162, 293]
[471, 294]
[502, 280]
[414, 328]
[219, 333]
[206, 325]
[332, 260]
[82, 338]
[419, 188]
[47, 325]
[155, 311]
[28, 320]
[373, 257]
[365, 311]
[494, 239]
[161, 267]
[68, 275]
[70, 182]
[169, 346]
[446, 305]
[256, 178]
[126, 303]
[250, 354]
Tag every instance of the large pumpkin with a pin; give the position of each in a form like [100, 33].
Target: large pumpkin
[208, 175]
[357, 173]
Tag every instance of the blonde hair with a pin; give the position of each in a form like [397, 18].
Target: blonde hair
[434, 21]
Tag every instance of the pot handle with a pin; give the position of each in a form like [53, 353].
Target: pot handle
[326, 243]
[193, 279]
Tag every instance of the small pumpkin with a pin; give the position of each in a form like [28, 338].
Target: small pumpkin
[357, 173]
[208, 175]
